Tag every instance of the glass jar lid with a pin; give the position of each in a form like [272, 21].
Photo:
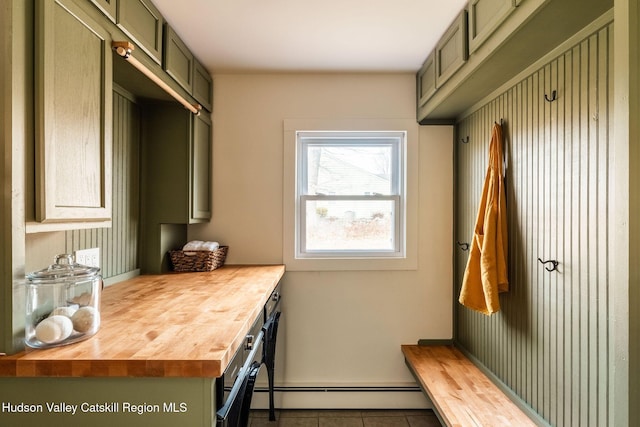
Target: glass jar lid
[62, 270]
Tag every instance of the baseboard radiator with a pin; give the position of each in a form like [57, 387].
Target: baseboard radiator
[343, 397]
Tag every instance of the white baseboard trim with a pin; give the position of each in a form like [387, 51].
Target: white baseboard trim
[342, 398]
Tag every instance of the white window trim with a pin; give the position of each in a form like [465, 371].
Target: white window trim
[397, 140]
[407, 260]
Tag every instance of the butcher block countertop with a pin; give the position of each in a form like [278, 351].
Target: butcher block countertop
[169, 325]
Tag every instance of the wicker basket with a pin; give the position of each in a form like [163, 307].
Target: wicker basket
[198, 260]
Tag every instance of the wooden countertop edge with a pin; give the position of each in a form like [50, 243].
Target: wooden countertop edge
[13, 366]
[23, 364]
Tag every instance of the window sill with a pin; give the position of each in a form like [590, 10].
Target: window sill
[353, 264]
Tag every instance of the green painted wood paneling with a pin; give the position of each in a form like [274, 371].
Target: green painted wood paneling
[550, 341]
[110, 401]
[624, 222]
[119, 244]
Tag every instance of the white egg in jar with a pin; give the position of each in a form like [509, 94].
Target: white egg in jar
[54, 329]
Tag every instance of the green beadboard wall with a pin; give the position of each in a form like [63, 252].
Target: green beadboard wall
[550, 341]
[118, 244]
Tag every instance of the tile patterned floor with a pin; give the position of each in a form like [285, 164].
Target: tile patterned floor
[345, 418]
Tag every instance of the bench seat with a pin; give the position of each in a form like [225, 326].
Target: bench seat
[460, 393]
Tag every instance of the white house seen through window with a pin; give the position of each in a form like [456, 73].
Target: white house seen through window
[350, 194]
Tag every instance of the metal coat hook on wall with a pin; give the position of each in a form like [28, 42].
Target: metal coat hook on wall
[463, 246]
[554, 96]
[551, 261]
[465, 141]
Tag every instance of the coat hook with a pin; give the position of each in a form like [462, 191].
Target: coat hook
[465, 141]
[552, 261]
[554, 96]
[463, 246]
[501, 122]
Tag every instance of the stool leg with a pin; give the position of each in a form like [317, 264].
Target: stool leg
[272, 409]
[269, 358]
[243, 418]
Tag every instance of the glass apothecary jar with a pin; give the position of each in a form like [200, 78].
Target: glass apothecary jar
[62, 303]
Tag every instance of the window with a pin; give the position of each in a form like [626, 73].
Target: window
[350, 194]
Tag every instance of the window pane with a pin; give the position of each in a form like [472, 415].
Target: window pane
[349, 169]
[350, 225]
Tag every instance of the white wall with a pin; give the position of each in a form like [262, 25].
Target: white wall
[338, 328]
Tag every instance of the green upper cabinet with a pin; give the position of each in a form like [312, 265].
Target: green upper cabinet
[484, 17]
[202, 86]
[108, 7]
[143, 23]
[426, 80]
[73, 115]
[177, 151]
[178, 59]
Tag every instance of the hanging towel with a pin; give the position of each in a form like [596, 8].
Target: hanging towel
[486, 273]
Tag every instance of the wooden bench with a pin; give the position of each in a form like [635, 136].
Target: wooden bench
[460, 393]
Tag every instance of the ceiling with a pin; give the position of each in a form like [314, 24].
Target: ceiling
[245, 36]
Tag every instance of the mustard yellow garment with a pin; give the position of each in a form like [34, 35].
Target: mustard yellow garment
[486, 272]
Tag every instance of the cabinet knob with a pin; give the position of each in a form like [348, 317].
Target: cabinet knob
[248, 345]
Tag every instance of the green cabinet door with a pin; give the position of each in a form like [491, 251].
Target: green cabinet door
[485, 16]
[451, 50]
[73, 74]
[201, 169]
[202, 86]
[178, 59]
[426, 80]
[143, 23]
